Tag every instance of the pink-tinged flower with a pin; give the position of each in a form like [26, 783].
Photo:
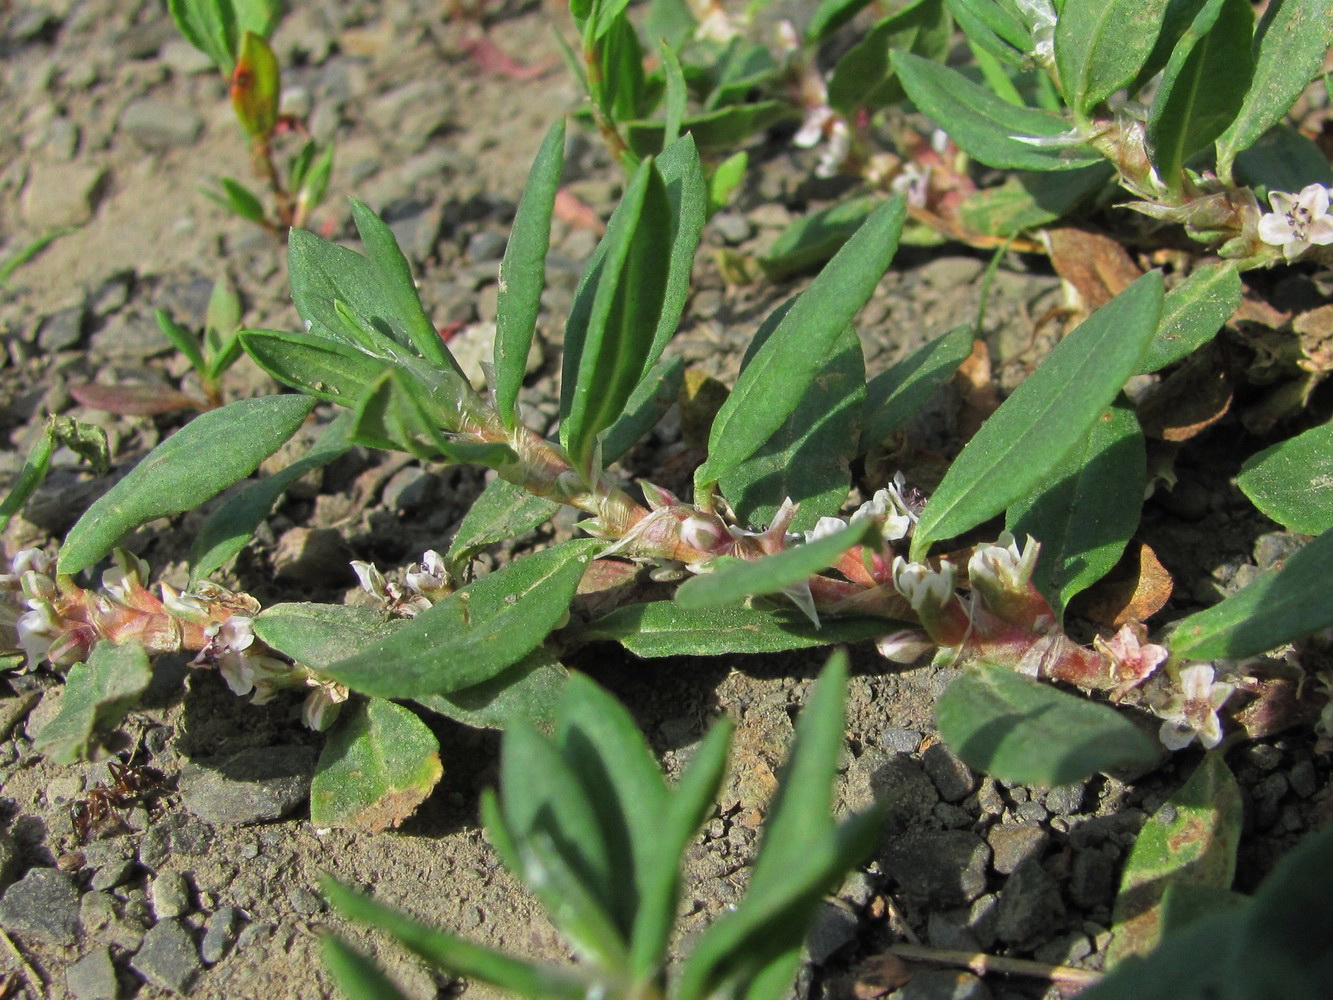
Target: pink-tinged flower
[922, 586]
[1133, 659]
[322, 705]
[429, 579]
[1193, 712]
[1297, 221]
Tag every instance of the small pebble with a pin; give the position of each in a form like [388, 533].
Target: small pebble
[168, 958]
[44, 904]
[900, 740]
[219, 933]
[171, 895]
[93, 977]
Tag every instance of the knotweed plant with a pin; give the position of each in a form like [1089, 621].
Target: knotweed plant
[759, 559]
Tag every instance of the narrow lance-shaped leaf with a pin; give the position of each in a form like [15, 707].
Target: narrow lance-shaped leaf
[1043, 419]
[1202, 86]
[474, 633]
[774, 382]
[613, 347]
[738, 579]
[675, 94]
[1292, 482]
[1277, 608]
[318, 366]
[1190, 841]
[1088, 509]
[987, 127]
[1290, 46]
[200, 460]
[356, 975]
[664, 628]
[1022, 731]
[687, 194]
[395, 280]
[379, 763]
[30, 477]
[1192, 313]
[97, 695]
[462, 958]
[503, 511]
[895, 396]
[1100, 46]
[523, 272]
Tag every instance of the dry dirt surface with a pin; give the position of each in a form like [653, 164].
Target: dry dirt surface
[109, 125]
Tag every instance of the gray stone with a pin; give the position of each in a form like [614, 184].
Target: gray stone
[1068, 949]
[900, 740]
[44, 905]
[943, 984]
[130, 336]
[894, 781]
[475, 344]
[112, 874]
[833, 928]
[93, 977]
[1275, 547]
[410, 489]
[184, 59]
[1066, 800]
[219, 933]
[167, 958]
[416, 227]
[176, 833]
[62, 194]
[158, 125]
[303, 901]
[948, 930]
[170, 894]
[1013, 844]
[940, 868]
[733, 227]
[253, 786]
[9, 857]
[1304, 781]
[1091, 879]
[485, 246]
[313, 554]
[952, 777]
[1030, 906]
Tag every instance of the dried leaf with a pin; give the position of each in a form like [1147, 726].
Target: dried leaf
[976, 387]
[880, 975]
[577, 214]
[1192, 398]
[1097, 266]
[1134, 591]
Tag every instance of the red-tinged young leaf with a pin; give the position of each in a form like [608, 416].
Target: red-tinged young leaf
[134, 400]
[255, 86]
[1191, 840]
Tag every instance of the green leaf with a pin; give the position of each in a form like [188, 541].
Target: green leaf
[1024, 732]
[737, 579]
[987, 127]
[808, 458]
[199, 461]
[1277, 608]
[397, 413]
[675, 93]
[725, 179]
[1289, 48]
[356, 975]
[523, 273]
[687, 193]
[689, 804]
[1202, 87]
[1283, 160]
[320, 635]
[1043, 420]
[503, 511]
[993, 29]
[1100, 46]
[1088, 509]
[462, 958]
[775, 381]
[863, 77]
[255, 86]
[210, 26]
[609, 338]
[394, 279]
[814, 238]
[720, 130]
[1292, 482]
[654, 395]
[30, 476]
[181, 339]
[1192, 313]
[1190, 841]
[379, 763]
[97, 696]
[317, 366]
[662, 628]
[237, 199]
[474, 633]
[831, 15]
[313, 185]
[1027, 200]
[894, 396]
[230, 527]
[28, 251]
[528, 691]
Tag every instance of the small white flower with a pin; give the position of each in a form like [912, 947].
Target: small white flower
[26, 561]
[37, 629]
[836, 152]
[372, 580]
[922, 585]
[183, 605]
[122, 579]
[322, 705]
[913, 183]
[1001, 566]
[1193, 712]
[812, 128]
[430, 578]
[1297, 221]
[824, 527]
[905, 646]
